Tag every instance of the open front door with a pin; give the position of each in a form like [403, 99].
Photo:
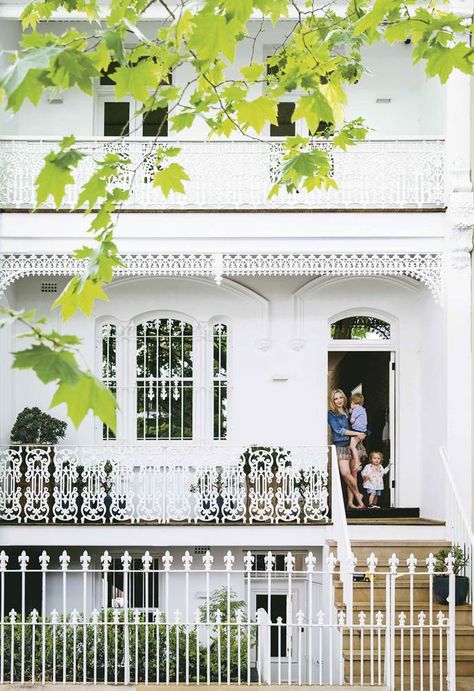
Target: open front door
[390, 430]
[371, 373]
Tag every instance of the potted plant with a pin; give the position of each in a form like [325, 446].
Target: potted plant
[441, 581]
[33, 428]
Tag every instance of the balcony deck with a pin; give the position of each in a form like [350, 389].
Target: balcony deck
[171, 485]
[401, 173]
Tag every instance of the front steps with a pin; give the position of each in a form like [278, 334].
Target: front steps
[361, 596]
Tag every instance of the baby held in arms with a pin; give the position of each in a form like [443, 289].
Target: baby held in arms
[359, 424]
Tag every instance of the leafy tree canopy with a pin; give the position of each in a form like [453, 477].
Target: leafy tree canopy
[319, 58]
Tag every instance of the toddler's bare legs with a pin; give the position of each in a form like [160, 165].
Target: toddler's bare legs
[355, 463]
[373, 499]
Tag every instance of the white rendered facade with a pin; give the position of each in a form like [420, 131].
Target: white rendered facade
[277, 275]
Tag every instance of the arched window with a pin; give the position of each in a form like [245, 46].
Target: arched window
[164, 378]
[219, 380]
[109, 366]
[360, 328]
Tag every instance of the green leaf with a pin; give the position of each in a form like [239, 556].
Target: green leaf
[49, 365]
[79, 295]
[170, 179]
[313, 108]
[22, 78]
[182, 121]
[253, 72]
[87, 394]
[113, 41]
[258, 113]
[137, 80]
[211, 35]
[56, 172]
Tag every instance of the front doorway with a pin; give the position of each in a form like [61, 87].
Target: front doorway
[371, 373]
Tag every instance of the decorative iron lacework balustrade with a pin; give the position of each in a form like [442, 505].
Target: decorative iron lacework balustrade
[398, 173]
[163, 484]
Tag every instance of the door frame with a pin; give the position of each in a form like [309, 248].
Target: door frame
[389, 346]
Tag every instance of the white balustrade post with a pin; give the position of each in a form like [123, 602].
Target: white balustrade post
[457, 297]
[451, 624]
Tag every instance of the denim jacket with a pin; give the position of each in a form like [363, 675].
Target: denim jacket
[339, 424]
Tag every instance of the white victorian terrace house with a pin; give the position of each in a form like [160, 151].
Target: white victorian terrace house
[229, 322]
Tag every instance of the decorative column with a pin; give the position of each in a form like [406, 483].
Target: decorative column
[458, 287]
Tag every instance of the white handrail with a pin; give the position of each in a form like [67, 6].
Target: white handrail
[458, 527]
[345, 555]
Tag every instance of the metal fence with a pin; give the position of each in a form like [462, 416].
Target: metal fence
[237, 618]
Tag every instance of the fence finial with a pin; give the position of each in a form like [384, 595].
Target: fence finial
[248, 561]
[310, 562]
[64, 560]
[187, 560]
[23, 560]
[393, 562]
[44, 560]
[430, 563]
[167, 560]
[412, 561]
[208, 561]
[3, 560]
[106, 560]
[85, 560]
[229, 560]
[147, 561]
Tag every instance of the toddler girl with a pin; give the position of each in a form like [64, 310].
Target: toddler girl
[372, 476]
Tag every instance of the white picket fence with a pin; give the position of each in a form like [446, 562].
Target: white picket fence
[233, 619]
[164, 484]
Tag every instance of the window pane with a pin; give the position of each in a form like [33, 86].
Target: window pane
[109, 366]
[165, 381]
[155, 123]
[285, 127]
[220, 380]
[360, 328]
[116, 118]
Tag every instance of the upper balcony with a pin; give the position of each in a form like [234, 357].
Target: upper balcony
[385, 173]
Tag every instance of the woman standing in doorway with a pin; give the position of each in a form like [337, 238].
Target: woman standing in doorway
[338, 420]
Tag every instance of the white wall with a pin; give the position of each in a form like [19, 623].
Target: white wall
[416, 107]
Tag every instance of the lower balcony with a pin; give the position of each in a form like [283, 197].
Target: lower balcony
[164, 484]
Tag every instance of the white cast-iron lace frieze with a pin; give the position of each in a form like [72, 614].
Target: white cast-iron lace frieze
[426, 268]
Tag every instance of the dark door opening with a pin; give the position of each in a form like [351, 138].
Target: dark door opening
[277, 633]
[370, 373]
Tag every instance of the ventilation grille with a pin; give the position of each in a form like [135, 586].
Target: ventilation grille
[202, 549]
[49, 287]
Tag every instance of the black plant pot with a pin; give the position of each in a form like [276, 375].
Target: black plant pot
[441, 589]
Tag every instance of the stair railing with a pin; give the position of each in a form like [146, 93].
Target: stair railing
[344, 552]
[458, 527]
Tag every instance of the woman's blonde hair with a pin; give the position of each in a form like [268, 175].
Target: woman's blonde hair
[332, 405]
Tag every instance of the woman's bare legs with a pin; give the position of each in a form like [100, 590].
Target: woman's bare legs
[351, 484]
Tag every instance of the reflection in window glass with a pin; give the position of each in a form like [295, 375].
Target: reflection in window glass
[137, 585]
[285, 127]
[219, 338]
[164, 376]
[360, 328]
[109, 367]
[116, 118]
